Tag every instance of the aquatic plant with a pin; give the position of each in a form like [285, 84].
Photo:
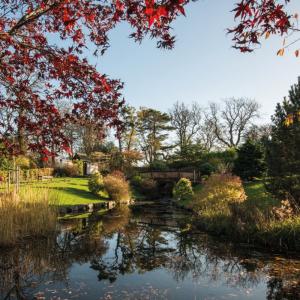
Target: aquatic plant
[29, 214]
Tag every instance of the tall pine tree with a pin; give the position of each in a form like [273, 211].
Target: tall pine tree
[250, 162]
[283, 151]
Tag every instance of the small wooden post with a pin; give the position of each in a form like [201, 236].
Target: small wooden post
[8, 181]
[18, 179]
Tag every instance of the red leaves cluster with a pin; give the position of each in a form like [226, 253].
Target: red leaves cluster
[42, 45]
[258, 19]
[157, 12]
[42, 64]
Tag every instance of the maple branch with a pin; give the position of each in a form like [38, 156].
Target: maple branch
[32, 16]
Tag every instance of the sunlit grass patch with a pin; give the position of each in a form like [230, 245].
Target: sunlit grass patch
[69, 191]
[257, 195]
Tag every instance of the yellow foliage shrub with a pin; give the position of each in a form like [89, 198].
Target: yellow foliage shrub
[219, 191]
[117, 188]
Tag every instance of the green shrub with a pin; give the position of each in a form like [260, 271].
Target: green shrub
[158, 165]
[96, 183]
[5, 163]
[204, 177]
[71, 170]
[221, 159]
[180, 164]
[117, 187]
[136, 181]
[78, 167]
[23, 162]
[183, 190]
[207, 169]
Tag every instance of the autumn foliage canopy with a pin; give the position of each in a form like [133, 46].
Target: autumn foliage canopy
[43, 60]
[258, 19]
[42, 64]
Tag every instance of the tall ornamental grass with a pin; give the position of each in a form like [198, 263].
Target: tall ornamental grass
[117, 187]
[30, 214]
[219, 191]
[215, 200]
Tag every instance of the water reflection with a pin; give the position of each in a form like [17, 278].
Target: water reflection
[147, 252]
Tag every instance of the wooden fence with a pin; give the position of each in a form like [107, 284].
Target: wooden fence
[13, 177]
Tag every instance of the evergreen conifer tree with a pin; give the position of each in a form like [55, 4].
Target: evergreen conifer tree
[250, 162]
[283, 149]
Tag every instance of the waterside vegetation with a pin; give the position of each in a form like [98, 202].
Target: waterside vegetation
[245, 212]
[29, 214]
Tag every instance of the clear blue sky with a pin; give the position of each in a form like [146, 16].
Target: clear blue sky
[203, 67]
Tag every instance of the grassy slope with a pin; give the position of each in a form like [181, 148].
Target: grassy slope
[70, 191]
[259, 197]
[283, 234]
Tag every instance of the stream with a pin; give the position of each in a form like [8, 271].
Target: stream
[147, 251]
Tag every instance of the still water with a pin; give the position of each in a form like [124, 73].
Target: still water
[148, 251]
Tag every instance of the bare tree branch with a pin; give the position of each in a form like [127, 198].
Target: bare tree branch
[231, 121]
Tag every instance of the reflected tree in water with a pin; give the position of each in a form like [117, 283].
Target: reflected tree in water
[126, 241]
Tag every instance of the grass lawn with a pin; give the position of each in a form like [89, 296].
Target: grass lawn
[258, 196]
[70, 191]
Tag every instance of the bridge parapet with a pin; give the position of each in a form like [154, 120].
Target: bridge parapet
[172, 175]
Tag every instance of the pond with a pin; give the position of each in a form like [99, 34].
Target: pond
[149, 251]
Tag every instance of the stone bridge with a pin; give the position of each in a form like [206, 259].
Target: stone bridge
[172, 176]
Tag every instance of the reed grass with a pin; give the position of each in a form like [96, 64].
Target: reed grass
[29, 214]
[222, 211]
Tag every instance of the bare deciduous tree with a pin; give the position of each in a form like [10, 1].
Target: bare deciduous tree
[206, 136]
[186, 122]
[259, 132]
[231, 121]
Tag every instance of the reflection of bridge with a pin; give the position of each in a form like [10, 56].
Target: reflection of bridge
[194, 176]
